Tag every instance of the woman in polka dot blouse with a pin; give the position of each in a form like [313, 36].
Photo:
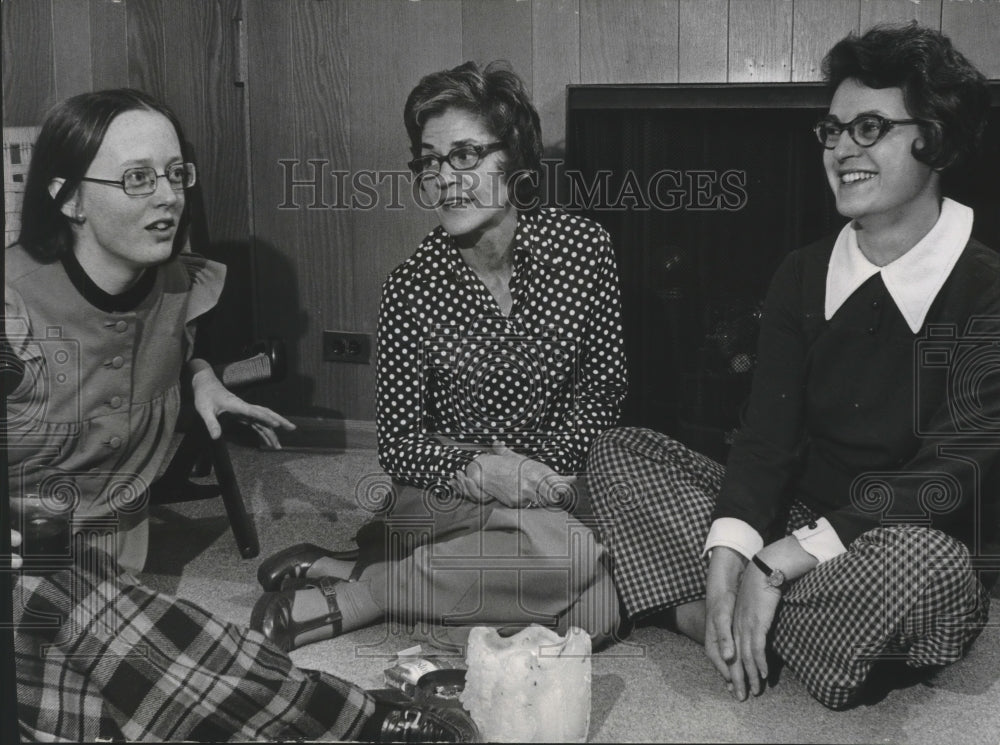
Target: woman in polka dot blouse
[500, 359]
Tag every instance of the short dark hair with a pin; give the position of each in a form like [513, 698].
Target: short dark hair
[494, 93]
[67, 144]
[939, 85]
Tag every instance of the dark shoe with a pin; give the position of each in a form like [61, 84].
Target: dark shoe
[398, 719]
[888, 676]
[417, 723]
[296, 560]
[272, 616]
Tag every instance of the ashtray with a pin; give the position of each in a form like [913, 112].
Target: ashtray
[440, 687]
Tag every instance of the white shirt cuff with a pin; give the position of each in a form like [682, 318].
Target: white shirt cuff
[736, 534]
[820, 540]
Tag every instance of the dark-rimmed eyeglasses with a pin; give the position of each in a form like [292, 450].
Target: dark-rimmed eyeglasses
[141, 182]
[462, 158]
[865, 130]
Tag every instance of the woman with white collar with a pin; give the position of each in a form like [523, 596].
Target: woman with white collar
[842, 531]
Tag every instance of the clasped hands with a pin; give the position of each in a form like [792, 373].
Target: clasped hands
[740, 607]
[513, 480]
[739, 610]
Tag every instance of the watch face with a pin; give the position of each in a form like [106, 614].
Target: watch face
[776, 578]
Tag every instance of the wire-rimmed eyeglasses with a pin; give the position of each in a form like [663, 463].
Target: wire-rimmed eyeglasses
[141, 182]
[865, 130]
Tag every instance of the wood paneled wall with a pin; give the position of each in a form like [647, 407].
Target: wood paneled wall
[326, 81]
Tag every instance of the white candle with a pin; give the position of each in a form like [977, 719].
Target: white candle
[533, 686]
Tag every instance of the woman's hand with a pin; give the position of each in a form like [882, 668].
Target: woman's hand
[511, 479]
[756, 604]
[491, 477]
[15, 541]
[722, 584]
[211, 399]
[741, 607]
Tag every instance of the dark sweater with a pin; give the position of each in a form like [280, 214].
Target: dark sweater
[865, 421]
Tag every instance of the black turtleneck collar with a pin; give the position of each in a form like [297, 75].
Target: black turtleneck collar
[121, 303]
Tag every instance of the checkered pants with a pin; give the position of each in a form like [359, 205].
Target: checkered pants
[98, 655]
[899, 592]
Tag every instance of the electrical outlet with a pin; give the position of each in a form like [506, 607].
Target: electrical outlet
[347, 346]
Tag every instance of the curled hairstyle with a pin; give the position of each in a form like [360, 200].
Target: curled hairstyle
[940, 86]
[498, 96]
[67, 144]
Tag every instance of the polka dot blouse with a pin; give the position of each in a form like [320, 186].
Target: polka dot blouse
[546, 379]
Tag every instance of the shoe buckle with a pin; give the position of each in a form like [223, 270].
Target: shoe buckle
[328, 586]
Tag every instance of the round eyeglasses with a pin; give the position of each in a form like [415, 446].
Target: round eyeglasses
[141, 182]
[462, 158]
[865, 130]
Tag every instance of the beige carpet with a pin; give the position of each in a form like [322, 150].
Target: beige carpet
[656, 687]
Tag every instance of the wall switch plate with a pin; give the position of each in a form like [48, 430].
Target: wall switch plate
[347, 346]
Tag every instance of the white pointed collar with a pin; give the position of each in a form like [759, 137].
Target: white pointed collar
[915, 278]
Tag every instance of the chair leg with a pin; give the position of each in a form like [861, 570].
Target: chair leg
[244, 529]
[175, 485]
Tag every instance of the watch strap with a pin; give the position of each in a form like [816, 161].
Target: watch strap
[762, 566]
[775, 577]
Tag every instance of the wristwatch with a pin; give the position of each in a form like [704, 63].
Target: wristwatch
[775, 577]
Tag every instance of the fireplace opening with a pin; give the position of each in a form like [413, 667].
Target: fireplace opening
[704, 190]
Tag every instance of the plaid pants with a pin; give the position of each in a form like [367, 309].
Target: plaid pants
[98, 655]
[899, 592]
